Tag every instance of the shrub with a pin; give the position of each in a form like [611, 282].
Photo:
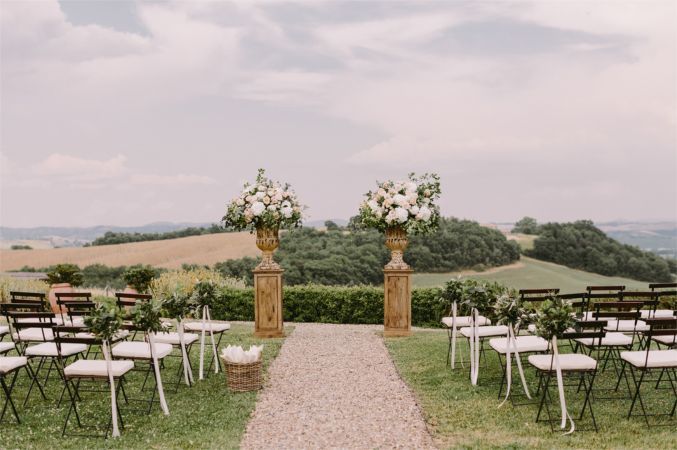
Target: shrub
[140, 276]
[21, 247]
[333, 304]
[183, 282]
[8, 284]
[65, 273]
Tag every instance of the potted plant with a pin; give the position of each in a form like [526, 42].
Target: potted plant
[400, 208]
[146, 317]
[62, 278]
[138, 278]
[266, 206]
[104, 321]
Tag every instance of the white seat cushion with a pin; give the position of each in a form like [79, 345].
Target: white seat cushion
[4, 330]
[173, 338]
[610, 340]
[49, 349]
[464, 321]
[525, 344]
[667, 340]
[626, 325]
[216, 327]
[121, 334]
[488, 331]
[9, 363]
[77, 321]
[567, 361]
[658, 313]
[34, 335]
[6, 346]
[97, 368]
[531, 328]
[657, 358]
[140, 350]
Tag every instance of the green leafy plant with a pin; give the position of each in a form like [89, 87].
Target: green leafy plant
[204, 293]
[140, 276]
[179, 305]
[146, 316]
[65, 273]
[104, 321]
[553, 318]
[508, 310]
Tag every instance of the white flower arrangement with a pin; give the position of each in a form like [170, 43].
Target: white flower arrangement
[264, 204]
[409, 205]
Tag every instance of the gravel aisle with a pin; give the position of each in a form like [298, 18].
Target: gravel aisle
[334, 386]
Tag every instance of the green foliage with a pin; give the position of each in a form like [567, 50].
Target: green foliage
[179, 305]
[111, 237]
[581, 245]
[65, 273]
[20, 247]
[526, 225]
[508, 310]
[342, 257]
[470, 294]
[553, 318]
[205, 293]
[146, 316]
[104, 321]
[409, 205]
[140, 276]
[8, 284]
[331, 304]
[100, 275]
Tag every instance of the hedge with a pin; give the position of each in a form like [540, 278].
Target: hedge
[332, 304]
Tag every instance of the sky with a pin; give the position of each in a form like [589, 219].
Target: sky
[131, 112]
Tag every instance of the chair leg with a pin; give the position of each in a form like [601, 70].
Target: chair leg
[34, 377]
[8, 397]
[218, 344]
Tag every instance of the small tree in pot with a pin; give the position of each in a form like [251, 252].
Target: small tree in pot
[139, 277]
[62, 278]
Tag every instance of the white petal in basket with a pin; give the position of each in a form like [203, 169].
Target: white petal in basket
[236, 354]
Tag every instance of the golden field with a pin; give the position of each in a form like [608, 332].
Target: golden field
[170, 253]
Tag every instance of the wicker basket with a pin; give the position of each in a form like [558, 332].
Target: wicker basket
[243, 377]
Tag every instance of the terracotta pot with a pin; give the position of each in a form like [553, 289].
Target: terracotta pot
[58, 287]
[267, 240]
[396, 241]
[130, 290]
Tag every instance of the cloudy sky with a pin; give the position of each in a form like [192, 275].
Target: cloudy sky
[129, 112]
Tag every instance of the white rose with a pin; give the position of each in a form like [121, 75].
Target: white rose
[412, 198]
[266, 200]
[388, 202]
[259, 195]
[373, 205]
[401, 214]
[261, 188]
[239, 202]
[400, 200]
[414, 210]
[287, 212]
[278, 196]
[272, 207]
[258, 208]
[250, 199]
[391, 216]
[410, 186]
[425, 213]
[286, 204]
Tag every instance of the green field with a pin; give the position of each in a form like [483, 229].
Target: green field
[532, 273]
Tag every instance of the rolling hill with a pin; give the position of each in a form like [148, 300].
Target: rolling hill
[532, 273]
[172, 253]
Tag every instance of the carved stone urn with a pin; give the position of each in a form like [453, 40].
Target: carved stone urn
[267, 240]
[396, 241]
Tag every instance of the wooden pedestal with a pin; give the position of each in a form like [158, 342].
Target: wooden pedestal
[268, 303]
[397, 302]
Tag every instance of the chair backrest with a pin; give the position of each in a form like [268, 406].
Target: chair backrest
[66, 334]
[38, 298]
[71, 303]
[663, 326]
[648, 298]
[606, 288]
[600, 295]
[577, 300]
[657, 287]
[127, 300]
[537, 295]
[618, 311]
[22, 320]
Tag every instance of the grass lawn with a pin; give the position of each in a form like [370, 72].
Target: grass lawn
[466, 417]
[533, 273]
[207, 415]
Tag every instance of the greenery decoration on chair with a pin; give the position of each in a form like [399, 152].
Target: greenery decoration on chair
[204, 296]
[180, 306]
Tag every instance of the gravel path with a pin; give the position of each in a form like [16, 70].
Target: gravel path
[334, 386]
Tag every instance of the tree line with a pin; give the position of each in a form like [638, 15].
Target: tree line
[111, 237]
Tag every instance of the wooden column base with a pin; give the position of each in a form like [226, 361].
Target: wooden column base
[397, 303]
[268, 303]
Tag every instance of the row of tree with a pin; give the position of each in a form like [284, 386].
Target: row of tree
[111, 237]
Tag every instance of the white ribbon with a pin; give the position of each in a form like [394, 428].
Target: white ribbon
[453, 334]
[512, 342]
[158, 378]
[111, 382]
[474, 347]
[560, 388]
[187, 373]
[206, 319]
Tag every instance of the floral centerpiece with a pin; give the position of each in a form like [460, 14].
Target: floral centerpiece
[265, 206]
[401, 207]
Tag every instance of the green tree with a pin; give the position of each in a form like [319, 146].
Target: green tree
[526, 225]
